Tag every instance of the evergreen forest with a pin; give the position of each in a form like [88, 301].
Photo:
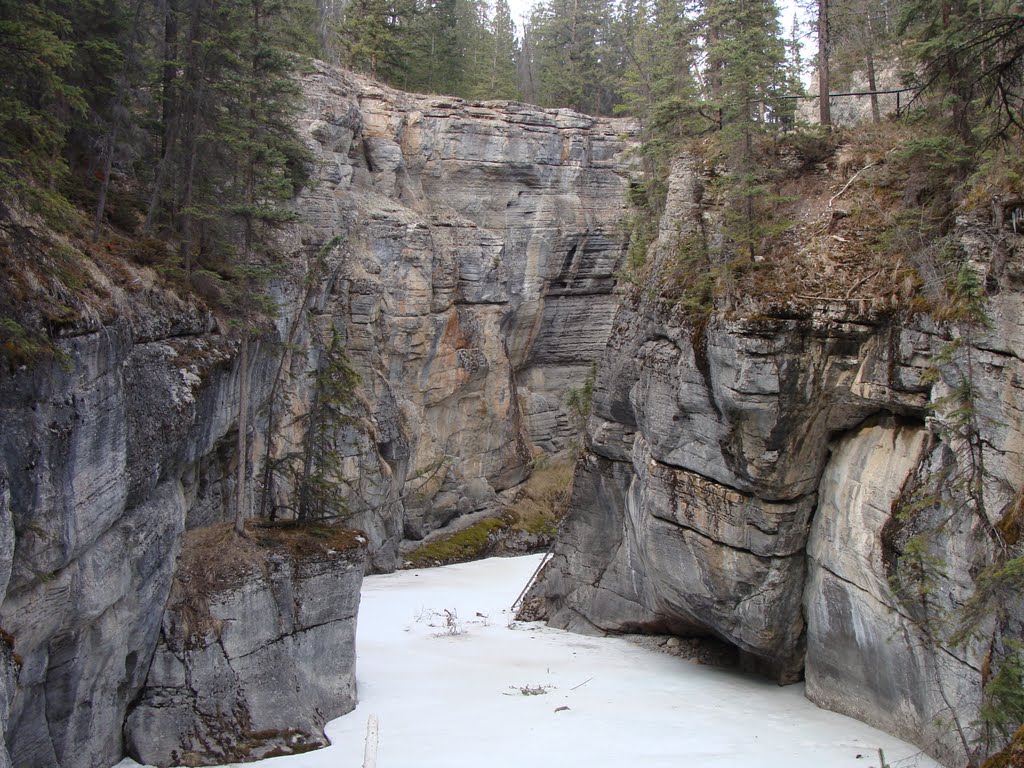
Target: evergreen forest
[164, 134]
[171, 121]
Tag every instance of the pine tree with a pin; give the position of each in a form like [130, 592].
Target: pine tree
[499, 70]
[491, 68]
[747, 54]
[434, 63]
[271, 156]
[571, 57]
[474, 42]
[527, 66]
[230, 153]
[112, 69]
[375, 37]
[36, 103]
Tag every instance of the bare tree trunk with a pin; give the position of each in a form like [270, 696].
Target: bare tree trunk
[185, 248]
[876, 115]
[108, 166]
[824, 107]
[868, 42]
[961, 88]
[242, 445]
[309, 450]
[194, 67]
[168, 73]
[714, 69]
[168, 100]
[115, 121]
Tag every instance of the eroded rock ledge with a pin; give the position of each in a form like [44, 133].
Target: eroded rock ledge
[465, 254]
[745, 477]
[256, 650]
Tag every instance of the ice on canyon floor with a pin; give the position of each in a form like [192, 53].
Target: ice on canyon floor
[453, 685]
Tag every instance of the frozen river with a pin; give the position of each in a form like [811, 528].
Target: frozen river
[471, 692]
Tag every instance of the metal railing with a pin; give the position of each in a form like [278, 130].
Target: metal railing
[847, 109]
[855, 107]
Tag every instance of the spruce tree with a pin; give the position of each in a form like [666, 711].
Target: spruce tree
[971, 54]
[747, 54]
[309, 472]
[659, 86]
[36, 104]
[375, 37]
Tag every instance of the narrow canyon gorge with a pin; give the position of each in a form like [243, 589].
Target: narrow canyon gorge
[744, 475]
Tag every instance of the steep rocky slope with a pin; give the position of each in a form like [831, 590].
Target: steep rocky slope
[769, 476]
[257, 648]
[464, 253]
[475, 277]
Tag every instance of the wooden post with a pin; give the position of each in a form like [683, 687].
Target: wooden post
[370, 755]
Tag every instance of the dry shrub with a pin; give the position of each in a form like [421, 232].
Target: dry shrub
[544, 498]
[216, 559]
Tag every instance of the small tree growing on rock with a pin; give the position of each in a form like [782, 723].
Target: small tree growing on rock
[313, 471]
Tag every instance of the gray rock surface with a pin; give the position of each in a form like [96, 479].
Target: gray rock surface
[457, 248]
[85, 635]
[8, 680]
[475, 284]
[253, 659]
[748, 478]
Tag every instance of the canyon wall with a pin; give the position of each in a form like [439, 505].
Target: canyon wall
[768, 476]
[256, 650]
[747, 474]
[464, 254]
[475, 275]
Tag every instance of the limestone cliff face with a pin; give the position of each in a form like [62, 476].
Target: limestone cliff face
[746, 479]
[475, 283]
[258, 655]
[466, 256]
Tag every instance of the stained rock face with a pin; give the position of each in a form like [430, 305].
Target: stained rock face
[475, 282]
[864, 656]
[748, 478]
[256, 652]
[464, 253]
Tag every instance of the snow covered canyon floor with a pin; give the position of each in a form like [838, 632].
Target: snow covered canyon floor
[453, 685]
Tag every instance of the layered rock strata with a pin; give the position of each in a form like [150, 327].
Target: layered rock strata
[476, 283]
[255, 653]
[751, 477]
[464, 253]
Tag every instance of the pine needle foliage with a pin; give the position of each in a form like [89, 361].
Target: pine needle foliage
[313, 472]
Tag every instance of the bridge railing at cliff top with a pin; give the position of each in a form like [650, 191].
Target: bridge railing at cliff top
[847, 109]
[855, 107]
